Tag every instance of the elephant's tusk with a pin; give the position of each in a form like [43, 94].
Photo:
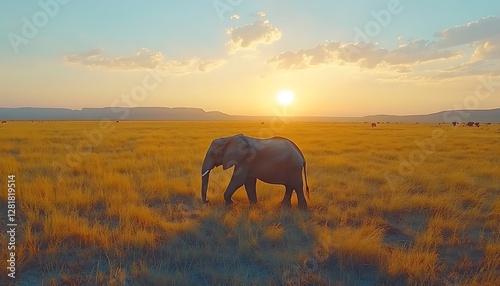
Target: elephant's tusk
[206, 173]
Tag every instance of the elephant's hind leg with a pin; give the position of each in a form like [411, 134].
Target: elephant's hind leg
[300, 195]
[301, 199]
[250, 188]
[287, 199]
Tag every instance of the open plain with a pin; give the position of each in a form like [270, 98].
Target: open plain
[115, 203]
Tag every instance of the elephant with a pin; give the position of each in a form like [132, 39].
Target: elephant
[276, 160]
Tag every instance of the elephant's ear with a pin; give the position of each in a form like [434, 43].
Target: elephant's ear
[236, 151]
[217, 147]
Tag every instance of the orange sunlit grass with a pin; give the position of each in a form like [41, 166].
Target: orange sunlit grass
[129, 207]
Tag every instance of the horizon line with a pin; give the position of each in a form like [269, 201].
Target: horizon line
[228, 114]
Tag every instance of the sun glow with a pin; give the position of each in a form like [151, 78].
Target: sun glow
[285, 97]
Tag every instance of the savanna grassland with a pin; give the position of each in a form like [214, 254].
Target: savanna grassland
[109, 203]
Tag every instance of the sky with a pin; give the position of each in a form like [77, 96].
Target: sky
[252, 57]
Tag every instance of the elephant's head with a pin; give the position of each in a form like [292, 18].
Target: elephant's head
[228, 151]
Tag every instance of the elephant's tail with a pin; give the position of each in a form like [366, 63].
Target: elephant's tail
[305, 178]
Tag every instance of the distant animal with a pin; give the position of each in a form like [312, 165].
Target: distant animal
[276, 160]
[262, 122]
[454, 123]
[477, 124]
[117, 121]
[374, 125]
[470, 124]
[4, 121]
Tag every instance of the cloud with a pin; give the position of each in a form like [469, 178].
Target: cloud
[321, 54]
[204, 66]
[487, 50]
[248, 37]
[473, 68]
[470, 32]
[482, 35]
[289, 60]
[143, 59]
[418, 51]
[365, 55]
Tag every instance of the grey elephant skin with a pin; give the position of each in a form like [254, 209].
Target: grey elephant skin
[276, 160]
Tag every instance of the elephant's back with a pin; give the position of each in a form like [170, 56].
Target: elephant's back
[281, 148]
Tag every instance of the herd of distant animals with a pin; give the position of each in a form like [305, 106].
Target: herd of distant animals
[374, 124]
[468, 124]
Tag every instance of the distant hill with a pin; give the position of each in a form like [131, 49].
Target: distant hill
[492, 115]
[449, 116]
[118, 113]
[186, 113]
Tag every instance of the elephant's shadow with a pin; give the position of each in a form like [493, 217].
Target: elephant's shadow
[243, 242]
[256, 245]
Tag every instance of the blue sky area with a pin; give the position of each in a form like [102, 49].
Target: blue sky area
[337, 58]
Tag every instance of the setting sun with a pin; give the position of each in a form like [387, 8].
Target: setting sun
[285, 97]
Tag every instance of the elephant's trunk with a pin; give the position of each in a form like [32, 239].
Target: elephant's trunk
[205, 173]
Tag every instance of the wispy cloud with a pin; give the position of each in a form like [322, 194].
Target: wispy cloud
[482, 35]
[248, 37]
[487, 50]
[204, 66]
[469, 33]
[143, 59]
[474, 68]
[418, 51]
[365, 55]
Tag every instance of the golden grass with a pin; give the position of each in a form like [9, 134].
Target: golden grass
[122, 206]
[419, 265]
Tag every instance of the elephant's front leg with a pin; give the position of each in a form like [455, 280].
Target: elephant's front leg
[250, 188]
[237, 180]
